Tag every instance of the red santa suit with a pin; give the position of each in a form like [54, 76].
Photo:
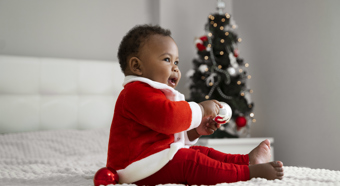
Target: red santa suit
[149, 128]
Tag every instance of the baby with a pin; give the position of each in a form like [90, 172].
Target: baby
[154, 129]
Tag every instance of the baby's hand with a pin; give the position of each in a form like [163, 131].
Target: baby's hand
[208, 126]
[210, 108]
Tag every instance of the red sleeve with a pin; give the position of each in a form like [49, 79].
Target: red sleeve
[150, 107]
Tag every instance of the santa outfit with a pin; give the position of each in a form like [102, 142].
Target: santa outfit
[148, 138]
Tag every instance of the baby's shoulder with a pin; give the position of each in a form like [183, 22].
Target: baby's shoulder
[140, 88]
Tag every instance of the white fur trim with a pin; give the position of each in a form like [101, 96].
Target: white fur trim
[196, 115]
[169, 92]
[147, 166]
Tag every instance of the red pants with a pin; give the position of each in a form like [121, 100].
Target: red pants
[200, 165]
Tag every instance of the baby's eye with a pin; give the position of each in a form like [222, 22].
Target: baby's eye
[167, 59]
[176, 62]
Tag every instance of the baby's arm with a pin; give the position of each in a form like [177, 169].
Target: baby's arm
[208, 126]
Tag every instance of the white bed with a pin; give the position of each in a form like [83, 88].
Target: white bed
[54, 120]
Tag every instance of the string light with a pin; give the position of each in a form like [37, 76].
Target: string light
[215, 24]
[249, 76]
[254, 120]
[250, 105]
[206, 97]
[203, 77]
[206, 57]
[211, 84]
[242, 93]
[227, 33]
[219, 66]
[240, 70]
[207, 69]
[227, 15]
[223, 20]
[221, 27]
[209, 46]
[239, 82]
[251, 91]
[222, 40]
[210, 34]
[234, 26]
[252, 115]
[211, 22]
[239, 40]
[246, 65]
[221, 53]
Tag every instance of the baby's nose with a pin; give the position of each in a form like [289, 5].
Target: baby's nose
[175, 69]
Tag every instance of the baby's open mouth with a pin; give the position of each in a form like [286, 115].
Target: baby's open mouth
[172, 82]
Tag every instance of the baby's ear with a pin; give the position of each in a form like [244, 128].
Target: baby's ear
[135, 66]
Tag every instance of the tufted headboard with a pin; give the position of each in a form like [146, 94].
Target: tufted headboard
[50, 93]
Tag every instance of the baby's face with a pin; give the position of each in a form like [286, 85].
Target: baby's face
[159, 56]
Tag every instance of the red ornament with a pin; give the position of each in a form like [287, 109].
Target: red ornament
[236, 53]
[204, 38]
[200, 47]
[104, 176]
[241, 121]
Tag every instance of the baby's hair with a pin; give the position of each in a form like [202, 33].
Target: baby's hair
[134, 40]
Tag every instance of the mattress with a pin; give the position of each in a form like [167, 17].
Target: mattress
[72, 157]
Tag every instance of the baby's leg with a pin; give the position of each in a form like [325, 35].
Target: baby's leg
[260, 154]
[271, 171]
[240, 159]
[191, 167]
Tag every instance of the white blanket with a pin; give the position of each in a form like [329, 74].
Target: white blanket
[72, 158]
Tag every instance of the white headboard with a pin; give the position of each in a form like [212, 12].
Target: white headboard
[50, 93]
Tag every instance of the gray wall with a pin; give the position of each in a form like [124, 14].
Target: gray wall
[82, 29]
[292, 48]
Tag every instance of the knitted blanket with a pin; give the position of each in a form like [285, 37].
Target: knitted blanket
[72, 157]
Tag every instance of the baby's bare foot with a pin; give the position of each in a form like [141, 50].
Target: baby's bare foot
[260, 154]
[271, 171]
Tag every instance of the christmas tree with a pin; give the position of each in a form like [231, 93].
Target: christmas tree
[219, 73]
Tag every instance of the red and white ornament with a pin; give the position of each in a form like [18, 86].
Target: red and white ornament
[199, 43]
[224, 114]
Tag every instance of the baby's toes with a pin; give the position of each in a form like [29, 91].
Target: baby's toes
[279, 175]
[277, 164]
[279, 169]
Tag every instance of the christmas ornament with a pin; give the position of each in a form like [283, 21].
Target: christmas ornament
[241, 121]
[232, 71]
[199, 43]
[104, 176]
[200, 46]
[203, 68]
[190, 73]
[204, 38]
[233, 60]
[224, 114]
[236, 52]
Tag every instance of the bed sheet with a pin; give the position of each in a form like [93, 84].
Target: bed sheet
[72, 157]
